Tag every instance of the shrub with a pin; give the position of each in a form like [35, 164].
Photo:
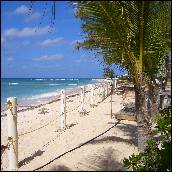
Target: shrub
[157, 155]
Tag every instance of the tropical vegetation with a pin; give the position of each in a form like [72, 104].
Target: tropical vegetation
[157, 155]
[136, 36]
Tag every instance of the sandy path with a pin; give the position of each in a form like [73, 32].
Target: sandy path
[104, 153]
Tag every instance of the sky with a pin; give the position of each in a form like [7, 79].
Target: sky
[30, 48]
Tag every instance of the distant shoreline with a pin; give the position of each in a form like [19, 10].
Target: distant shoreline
[54, 78]
[31, 87]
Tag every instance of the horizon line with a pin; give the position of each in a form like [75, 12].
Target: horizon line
[48, 77]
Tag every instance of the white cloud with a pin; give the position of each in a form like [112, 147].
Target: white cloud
[54, 57]
[21, 10]
[51, 42]
[10, 59]
[26, 31]
[31, 15]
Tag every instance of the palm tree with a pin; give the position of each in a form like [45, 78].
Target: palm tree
[108, 72]
[133, 34]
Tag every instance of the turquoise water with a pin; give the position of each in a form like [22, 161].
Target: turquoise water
[33, 89]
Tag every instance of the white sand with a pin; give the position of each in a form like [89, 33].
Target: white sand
[104, 153]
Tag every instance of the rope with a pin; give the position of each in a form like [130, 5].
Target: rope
[39, 127]
[7, 146]
[9, 138]
[3, 110]
[47, 123]
[73, 109]
[11, 141]
[77, 147]
[27, 106]
[38, 106]
[9, 106]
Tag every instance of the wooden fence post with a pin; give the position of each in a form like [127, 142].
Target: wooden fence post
[100, 92]
[107, 89]
[12, 133]
[111, 92]
[92, 96]
[115, 83]
[109, 86]
[104, 92]
[63, 109]
[82, 110]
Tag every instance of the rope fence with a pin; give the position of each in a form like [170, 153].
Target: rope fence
[11, 110]
[103, 91]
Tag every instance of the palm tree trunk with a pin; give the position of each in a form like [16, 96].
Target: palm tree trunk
[165, 79]
[136, 97]
[143, 124]
[153, 96]
[143, 121]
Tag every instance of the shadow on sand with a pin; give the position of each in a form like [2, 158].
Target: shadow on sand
[101, 160]
[106, 159]
[59, 168]
[30, 158]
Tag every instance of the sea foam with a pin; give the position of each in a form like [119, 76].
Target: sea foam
[13, 83]
[40, 79]
[53, 84]
[44, 95]
[72, 84]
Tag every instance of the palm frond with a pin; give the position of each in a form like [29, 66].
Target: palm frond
[114, 30]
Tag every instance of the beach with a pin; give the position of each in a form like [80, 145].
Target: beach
[45, 144]
[85, 86]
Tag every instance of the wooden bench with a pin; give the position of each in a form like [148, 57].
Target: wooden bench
[125, 116]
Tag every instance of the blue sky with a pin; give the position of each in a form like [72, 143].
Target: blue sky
[27, 51]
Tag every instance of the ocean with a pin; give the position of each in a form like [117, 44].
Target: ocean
[34, 90]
